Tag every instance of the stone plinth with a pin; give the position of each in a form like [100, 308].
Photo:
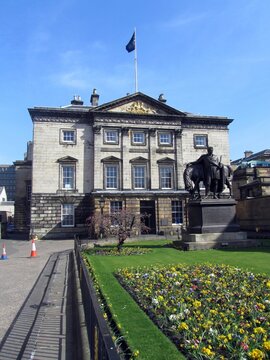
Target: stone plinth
[212, 216]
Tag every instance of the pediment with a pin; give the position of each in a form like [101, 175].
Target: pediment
[111, 159]
[138, 159]
[140, 104]
[165, 160]
[67, 159]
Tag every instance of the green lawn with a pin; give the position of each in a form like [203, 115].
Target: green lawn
[136, 327]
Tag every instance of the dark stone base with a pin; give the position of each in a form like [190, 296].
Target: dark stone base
[212, 216]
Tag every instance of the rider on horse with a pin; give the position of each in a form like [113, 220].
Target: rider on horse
[213, 172]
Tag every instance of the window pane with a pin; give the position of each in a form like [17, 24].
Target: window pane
[111, 136]
[177, 212]
[116, 207]
[139, 177]
[165, 138]
[138, 137]
[166, 177]
[200, 140]
[68, 176]
[68, 135]
[67, 215]
[111, 176]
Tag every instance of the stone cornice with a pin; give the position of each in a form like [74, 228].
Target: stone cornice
[59, 115]
[138, 120]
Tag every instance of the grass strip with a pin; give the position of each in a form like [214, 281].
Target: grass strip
[143, 337]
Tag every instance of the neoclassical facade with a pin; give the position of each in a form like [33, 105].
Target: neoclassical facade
[128, 153]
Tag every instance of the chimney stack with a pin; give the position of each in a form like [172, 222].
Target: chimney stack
[248, 153]
[94, 98]
[76, 100]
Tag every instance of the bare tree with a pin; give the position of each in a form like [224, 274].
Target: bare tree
[120, 224]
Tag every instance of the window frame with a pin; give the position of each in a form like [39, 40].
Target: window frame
[163, 167]
[165, 132]
[116, 210]
[72, 214]
[200, 146]
[134, 167]
[138, 143]
[112, 142]
[68, 142]
[117, 178]
[70, 165]
[177, 210]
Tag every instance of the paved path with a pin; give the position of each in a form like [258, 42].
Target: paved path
[18, 275]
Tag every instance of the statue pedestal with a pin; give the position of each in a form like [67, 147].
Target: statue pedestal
[212, 216]
[212, 225]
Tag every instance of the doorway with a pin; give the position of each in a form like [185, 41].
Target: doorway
[148, 207]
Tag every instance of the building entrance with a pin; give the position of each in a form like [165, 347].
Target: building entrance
[147, 207]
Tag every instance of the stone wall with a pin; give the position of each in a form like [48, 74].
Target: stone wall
[46, 215]
[254, 214]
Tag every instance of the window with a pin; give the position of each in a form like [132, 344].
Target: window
[138, 138]
[165, 138]
[166, 177]
[111, 136]
[177, 212]
[68, 177]
[200, 141]
[111, 176]
[139, 174]
[68, 136]
[67, 215]
[115, 207]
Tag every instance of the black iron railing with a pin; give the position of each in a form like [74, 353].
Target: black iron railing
[100, 340]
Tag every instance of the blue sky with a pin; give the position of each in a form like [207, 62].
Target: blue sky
[210, 57]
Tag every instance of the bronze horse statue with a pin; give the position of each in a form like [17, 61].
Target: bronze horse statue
[194, 174]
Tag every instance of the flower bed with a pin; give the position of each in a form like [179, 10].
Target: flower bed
[113, 251]
[209, 311]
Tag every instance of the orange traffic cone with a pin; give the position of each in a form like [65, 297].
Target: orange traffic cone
[34, 250]
[4, 254]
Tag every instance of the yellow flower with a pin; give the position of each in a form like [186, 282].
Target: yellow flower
[259, 330]
[256, 354]
[207, 351]
[197, 303]
[266, 345]
[183, 326]
[136, 353]
[268, 284]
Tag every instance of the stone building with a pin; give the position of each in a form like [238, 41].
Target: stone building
[128, 153]
[251, 188]
[23, 171]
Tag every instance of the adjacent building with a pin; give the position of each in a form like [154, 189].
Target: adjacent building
[128, 153]
[251, 188]
[7, 179]
[23, 170]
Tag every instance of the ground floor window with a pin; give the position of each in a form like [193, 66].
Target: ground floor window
[67, 215]
[115, 207]
[177, 212]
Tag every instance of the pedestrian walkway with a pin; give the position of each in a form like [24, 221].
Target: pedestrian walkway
[42, 330]
[47, 275]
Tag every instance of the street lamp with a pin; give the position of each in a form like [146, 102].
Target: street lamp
[101, 204]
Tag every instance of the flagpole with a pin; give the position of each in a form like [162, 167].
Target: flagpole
[135, 63]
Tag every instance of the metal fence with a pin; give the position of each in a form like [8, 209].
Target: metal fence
[100, 340]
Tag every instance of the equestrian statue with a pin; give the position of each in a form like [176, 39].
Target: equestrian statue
[211, 172]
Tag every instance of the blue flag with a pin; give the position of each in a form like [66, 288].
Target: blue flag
[131, 45]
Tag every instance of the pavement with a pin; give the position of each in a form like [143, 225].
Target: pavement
[36, 301]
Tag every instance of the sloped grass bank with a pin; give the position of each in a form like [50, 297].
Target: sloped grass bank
[143, 337]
